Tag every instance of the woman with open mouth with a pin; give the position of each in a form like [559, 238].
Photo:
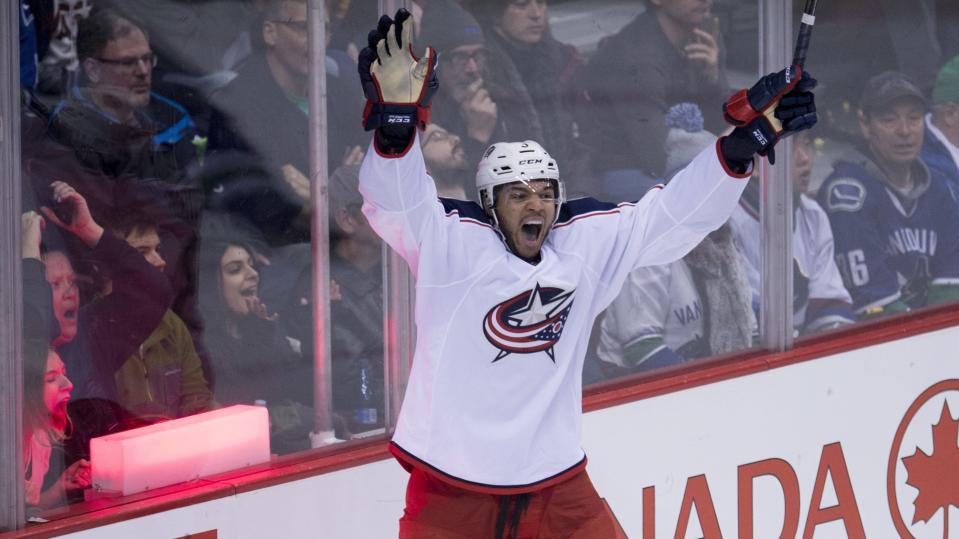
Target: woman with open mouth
[46, 426]
[250, 358]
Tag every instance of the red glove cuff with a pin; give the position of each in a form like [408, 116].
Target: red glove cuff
[745, 106]
[737, 110]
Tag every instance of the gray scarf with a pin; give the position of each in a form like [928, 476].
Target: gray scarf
[725, 292]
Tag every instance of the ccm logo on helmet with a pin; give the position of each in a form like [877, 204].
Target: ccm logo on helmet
[530, 161]
[398, 119]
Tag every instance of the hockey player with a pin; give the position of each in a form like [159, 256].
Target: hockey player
[507, 291]
[894, 222]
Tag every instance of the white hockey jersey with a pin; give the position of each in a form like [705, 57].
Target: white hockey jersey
[494, 399]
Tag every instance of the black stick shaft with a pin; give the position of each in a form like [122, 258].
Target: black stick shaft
[805, 33]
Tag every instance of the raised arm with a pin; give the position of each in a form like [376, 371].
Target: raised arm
[121, 321]
[37, 302]
[141, 294]
[397, 83]
[668, 222]
[399, 196]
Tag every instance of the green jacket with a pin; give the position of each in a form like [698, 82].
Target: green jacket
[164, 378]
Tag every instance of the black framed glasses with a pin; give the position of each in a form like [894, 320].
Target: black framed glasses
[460, 59]
[149, 59]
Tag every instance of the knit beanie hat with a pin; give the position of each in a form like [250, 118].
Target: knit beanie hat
[686, 136]
[446, 25]
[947, 83]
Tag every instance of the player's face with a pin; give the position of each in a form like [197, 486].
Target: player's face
[895, 134]
[525, 212]
[66, 295]
[802, 161]
[524, 21]
[239, 280]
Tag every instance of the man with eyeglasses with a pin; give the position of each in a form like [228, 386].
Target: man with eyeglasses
[115, 124]
[119, 143]
[262, 116]
[446, 162]
[507, 292]
[477, 105]
[120, 75]
[113, 118]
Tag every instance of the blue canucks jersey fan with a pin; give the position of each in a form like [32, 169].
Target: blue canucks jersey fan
[508, 290]
[895, 223]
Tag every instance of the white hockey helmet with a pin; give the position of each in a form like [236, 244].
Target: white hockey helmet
[508, 162]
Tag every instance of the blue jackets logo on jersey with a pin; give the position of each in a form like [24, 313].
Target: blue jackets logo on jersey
[529, 322]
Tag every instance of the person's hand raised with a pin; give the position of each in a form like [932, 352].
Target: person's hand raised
[297, 181]
[81, 223]
[31, 231]
[397, 83]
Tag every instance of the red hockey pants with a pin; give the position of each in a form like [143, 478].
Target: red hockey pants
[438, 510]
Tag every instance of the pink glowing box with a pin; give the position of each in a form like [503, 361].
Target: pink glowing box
[180, 450]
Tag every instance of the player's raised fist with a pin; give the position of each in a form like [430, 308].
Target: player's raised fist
[398, 84]
[777, 106]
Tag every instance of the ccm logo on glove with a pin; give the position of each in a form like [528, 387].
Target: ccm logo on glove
[760, 138]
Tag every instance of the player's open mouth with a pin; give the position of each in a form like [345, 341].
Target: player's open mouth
[531, 229]
[70, 314]
[248, 292]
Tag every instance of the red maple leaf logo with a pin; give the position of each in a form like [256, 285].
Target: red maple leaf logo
[936, 476]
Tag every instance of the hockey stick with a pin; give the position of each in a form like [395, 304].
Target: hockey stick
[799, 53]
[805, 32]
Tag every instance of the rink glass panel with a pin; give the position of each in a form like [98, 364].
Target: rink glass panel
[188, 134]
